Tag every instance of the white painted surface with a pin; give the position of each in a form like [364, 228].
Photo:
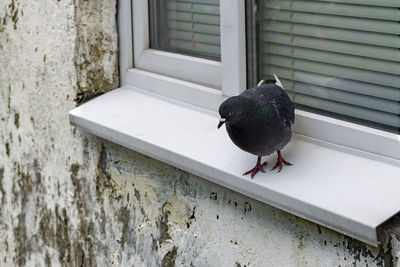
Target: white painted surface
[233, 46]
[125, 38]
[187, 92]
[347, 190]
[191, 69]
[348, 134]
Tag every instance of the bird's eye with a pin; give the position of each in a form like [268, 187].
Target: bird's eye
[231, 113]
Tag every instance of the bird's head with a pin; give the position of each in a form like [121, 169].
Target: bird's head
[230, 110]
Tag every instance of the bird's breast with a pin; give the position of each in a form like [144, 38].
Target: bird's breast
[261, 139]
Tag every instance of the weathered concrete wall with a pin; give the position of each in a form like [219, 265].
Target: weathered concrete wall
[68, 198]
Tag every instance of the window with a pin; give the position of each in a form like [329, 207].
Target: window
[338, 58]
[209, 76]
[189, 27]
[303, 42]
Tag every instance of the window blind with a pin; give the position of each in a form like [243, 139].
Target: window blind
[336, 56]
[189, 27]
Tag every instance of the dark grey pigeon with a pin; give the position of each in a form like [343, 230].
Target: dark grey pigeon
[259, 121]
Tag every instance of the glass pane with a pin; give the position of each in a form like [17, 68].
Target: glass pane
[333, 58]
[190, 27]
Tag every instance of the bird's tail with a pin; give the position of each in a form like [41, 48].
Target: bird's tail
[278, 82]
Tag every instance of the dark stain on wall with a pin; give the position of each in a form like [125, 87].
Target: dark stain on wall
[10, 14]
[163, 223]
[91, 46]
[16, 119]
[357, 249]
[3, 192]
[7, 149]
[169, 258]
[23, 192]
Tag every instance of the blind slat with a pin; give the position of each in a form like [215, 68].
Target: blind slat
[194, 8]
[379, 91]
[321, 32]
[363, 11]
[197, 37]
[381, 26]
[384, 66]
[204, 2]
[193, 27]
[380, 104]
[208, 49]
[334, 70]
[347, 110]
[363, 50]
[196, 18]
[387, 3]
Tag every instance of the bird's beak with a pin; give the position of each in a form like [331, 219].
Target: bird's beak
[221, 121]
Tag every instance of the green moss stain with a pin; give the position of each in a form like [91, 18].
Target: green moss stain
[62, 239]
[10, 14]
[9, 98]
[3, 192]
[16, 119]
[23, 191]
[89, 54]
[47, 260]
[128, 237]
[21, 238]
[103, 177]
[7, 149]
[74, 168]
[14, 13]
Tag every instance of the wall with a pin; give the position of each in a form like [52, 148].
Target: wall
[68, 198]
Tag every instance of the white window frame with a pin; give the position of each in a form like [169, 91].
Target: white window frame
[211, 79]
[207, 83]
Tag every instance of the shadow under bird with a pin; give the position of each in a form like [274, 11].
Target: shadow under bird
[259, 121]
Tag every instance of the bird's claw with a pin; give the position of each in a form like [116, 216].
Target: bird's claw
[279, 162]
[256, 169]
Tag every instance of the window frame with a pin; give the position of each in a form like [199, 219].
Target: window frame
[194, 69]
[149, 69]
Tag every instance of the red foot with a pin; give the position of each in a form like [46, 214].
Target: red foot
[258, 167]
[279, 162]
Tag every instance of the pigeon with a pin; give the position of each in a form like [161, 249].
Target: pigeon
[259, 121]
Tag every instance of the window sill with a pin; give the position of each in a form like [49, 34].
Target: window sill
[350, 191]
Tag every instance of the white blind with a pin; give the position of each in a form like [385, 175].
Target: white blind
[187, 26]
[338, 56]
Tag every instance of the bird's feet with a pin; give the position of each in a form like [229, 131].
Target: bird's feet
[259, 167]
[280, 161]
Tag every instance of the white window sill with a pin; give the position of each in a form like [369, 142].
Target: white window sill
[350, 191]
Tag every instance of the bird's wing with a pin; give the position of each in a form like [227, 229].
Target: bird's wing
[274, 97]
